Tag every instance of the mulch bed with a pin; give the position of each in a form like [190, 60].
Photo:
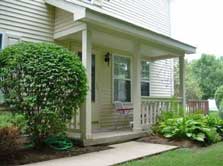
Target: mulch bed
[157, 139]
[31, 155]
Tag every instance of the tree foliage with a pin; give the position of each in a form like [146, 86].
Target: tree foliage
[193, 91]
[219, 96]
[208, 71]
[203, 77]
[44, 81]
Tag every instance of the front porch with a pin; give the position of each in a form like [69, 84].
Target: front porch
[112, 52]
[98, 122]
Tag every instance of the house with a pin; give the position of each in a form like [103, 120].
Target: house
[126, 48]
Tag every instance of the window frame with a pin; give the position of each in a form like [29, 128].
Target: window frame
[1, 48]
[3, 40]
[94, 2]
[143, 80]
[93, 81]
[113, 77]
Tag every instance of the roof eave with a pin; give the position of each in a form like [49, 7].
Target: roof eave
[139, 32]
[88, 15]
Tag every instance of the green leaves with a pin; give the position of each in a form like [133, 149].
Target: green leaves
[42, 80]
[195, 127]
[208, 71]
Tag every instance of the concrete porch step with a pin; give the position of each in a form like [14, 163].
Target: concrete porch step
[113, 137]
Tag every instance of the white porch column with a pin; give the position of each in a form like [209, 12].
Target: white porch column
[86, 113]
[136, 88]
[182, 80]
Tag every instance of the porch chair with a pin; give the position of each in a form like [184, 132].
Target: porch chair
[123, 111]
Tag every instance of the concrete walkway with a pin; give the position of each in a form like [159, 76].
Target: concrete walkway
[118, 154]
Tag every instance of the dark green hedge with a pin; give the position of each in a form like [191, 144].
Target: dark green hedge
[39, 77]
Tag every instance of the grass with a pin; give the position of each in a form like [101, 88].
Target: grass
[216, 113]
[210, 156]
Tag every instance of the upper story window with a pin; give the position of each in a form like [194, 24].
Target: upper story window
[121, 79]
[145, 78]
[95, 2]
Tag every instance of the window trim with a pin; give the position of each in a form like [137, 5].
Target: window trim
[94, 2]
[3, 40]
[93, 82]
[145, 81]
[113, 77]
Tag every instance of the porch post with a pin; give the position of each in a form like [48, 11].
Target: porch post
[136, 90]
[182, 80]
[85, 113]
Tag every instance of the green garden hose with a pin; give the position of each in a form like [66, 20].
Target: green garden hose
[59, 143]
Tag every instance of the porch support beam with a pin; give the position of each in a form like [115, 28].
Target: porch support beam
[163, 57]
[182, 80]
[86, 112]
[77, 27]
[136, 91]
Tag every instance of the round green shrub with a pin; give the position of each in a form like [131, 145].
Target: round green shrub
[219, 96]
[42, 79]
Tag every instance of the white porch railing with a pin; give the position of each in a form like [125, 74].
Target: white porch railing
[74, 124]
[151, 108]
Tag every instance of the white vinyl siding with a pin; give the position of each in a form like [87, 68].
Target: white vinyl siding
[63, 21]
[161, 74]
[150, 14]
[31, 20]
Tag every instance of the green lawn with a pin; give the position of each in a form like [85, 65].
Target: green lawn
[210, 156]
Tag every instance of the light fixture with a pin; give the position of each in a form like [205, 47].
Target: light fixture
[107, 57]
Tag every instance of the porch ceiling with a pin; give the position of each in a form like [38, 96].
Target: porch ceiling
[115, 42]
[112, 32]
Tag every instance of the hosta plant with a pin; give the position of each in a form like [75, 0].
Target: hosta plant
[206, 129]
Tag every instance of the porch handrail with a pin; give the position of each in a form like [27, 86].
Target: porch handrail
[151, 108]
[160, 98]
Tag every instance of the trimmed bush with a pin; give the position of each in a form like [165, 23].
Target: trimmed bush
[46, 82]
[11, 127]
[219, 96]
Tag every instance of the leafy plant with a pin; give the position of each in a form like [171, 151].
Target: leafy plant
[175, 111]
[192, 126]
[8, 119]
[45, 82]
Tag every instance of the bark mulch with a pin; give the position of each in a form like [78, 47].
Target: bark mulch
[31, 155]
[157, 139]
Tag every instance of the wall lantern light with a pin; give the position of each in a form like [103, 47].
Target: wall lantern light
[107, 57]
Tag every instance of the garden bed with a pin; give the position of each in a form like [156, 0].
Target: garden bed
[183, 143]
[31, 155]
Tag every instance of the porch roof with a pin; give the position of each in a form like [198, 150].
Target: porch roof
[95, 16]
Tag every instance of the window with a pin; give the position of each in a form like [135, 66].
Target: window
[121, 79]
[95, 2]
[1, 47]
[145, 78]
[93, 78]
[1, 41]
